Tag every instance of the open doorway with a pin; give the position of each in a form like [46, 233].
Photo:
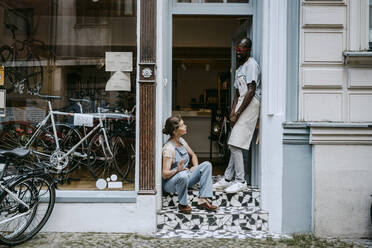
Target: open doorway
[202, 62]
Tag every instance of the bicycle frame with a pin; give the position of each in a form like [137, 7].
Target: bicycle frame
[4, 188]
[51, 117]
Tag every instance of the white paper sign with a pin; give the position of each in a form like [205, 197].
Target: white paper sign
[120, 81]
[119, 61]
[83, 119]
[115, 185]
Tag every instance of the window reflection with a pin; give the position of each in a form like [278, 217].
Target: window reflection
[58, 47]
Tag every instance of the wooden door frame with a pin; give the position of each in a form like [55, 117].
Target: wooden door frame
[147, 96]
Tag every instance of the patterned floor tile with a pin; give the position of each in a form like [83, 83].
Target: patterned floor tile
[226, 234]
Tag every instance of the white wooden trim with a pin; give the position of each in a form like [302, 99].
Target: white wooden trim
[274, 57]
[341, 136]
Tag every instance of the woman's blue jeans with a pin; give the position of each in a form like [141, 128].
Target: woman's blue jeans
[181, 181]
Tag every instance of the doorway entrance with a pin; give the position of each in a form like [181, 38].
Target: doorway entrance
[203, 60]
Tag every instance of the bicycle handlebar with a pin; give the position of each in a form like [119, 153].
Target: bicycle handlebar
[48, 96]
[79, 100]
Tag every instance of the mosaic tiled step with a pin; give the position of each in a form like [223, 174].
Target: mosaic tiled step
[226, 218]
[225, 234]
[247, 198]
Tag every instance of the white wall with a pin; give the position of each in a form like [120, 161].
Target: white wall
[139, 217]
[329, 90]
[273, 62]
[342, 189]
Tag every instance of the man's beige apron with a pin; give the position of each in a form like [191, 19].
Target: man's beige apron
[242, 132]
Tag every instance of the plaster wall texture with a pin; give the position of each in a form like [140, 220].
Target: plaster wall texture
[139, 217]
[342, 189]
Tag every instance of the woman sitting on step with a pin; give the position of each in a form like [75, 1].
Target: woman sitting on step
[178, 176]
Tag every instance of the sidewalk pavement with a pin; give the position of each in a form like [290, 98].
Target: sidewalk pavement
[51, 240]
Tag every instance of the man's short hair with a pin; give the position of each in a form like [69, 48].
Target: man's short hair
[245, 42]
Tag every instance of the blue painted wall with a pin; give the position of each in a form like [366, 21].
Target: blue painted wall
[297, 179]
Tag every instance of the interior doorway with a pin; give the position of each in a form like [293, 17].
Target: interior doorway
[202, 61]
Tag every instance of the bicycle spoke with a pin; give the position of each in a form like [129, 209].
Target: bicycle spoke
[39, 194]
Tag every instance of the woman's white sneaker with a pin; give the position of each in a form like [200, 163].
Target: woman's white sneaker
[236, 187]
[221, 184]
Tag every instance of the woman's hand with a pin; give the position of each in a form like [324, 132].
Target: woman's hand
[181, 166]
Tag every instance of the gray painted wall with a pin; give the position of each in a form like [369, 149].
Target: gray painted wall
[297, 180]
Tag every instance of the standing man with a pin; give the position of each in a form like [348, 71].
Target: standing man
[243, 117]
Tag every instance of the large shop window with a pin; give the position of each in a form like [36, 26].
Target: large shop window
[50, 47]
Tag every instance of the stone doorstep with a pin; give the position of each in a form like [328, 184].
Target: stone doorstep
[247, 198]
[226, 218]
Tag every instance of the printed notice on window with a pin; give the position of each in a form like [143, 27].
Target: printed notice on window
[83, 120]
[119, 61]
[2, 103]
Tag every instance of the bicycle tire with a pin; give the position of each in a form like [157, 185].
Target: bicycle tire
[16, 134]
[69, 137]
[44, 145]
[7, 55]
[41, 185]
[100, 163]
[8, 208]
[34, 74]
[125, 157]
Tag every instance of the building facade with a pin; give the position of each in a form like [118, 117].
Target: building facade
[312, 160]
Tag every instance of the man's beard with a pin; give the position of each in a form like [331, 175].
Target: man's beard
[242, 58]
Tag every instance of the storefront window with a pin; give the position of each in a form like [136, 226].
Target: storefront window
[83, 52]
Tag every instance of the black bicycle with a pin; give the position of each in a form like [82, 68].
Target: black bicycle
[22, 73]
[27, 198]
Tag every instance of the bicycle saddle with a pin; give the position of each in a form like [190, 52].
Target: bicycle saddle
[16, 152]
[48, 97]
[11, 27]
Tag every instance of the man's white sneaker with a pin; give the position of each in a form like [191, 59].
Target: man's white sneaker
[221, 184]
[236, 187]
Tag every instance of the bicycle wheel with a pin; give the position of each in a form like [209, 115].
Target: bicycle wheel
[34, 74]
[16, 134]
[44, 146]
[18, 223]
[7, 56]
[68, 137]
[124, 157]
[100, 163]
